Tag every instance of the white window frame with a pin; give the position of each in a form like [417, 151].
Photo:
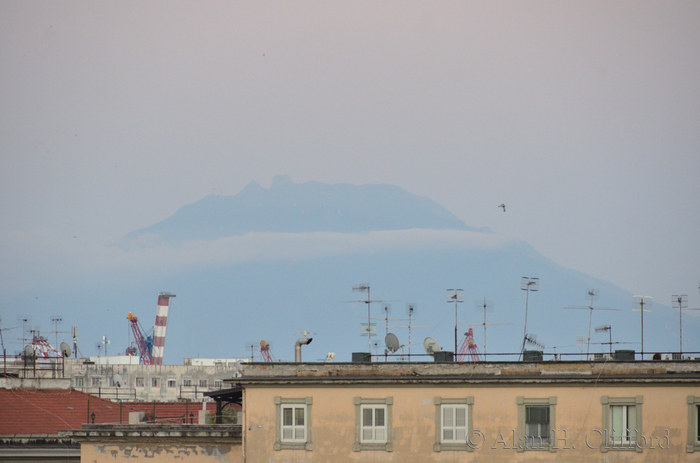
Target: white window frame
[442, 405]
[140, 379]
[635, 429]
[155, 382]
[361, 443]
[282, 404]
[523, 403]
[172, 383]
[693, 424]
[96, 382]
[187, 382]
[372, 427]
[79, 381]
[203, 383]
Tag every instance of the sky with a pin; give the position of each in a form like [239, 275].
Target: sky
[582, 117]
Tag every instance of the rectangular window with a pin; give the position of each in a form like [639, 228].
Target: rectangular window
[536, 425]
[218, 383]
[155, 382]
[536, 420]
[79, 381]
[454, 424]
[187, 382]
[140, 382]
[624, 421]
[293, 423]
[373, 424]
[172, 383]
[96, 382]
[202, 383]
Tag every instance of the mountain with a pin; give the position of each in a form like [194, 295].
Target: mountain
[298, 208]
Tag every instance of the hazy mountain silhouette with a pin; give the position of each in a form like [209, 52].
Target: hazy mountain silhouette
[297, 208]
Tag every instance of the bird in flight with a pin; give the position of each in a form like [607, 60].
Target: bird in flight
[503, 206]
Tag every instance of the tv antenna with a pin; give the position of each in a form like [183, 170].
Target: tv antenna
[593, 293]
[2, 341]
[105, 342]
[532, 340]
[387, 309]
[487, 306]
[680, 302]
[456, 296]
[24, 320]
[57, 320]
[361, 288]
[251, 346]
[527, 284]
[603, 329]
[410, 309]
[643, 300]
[431, 346]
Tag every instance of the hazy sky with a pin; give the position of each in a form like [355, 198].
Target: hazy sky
[582, 117]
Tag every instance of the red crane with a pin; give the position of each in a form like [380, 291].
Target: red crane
[142, 341]
[468, 348]
[265, 352]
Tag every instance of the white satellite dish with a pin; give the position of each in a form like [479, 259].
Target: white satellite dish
[392, 342]
[65, 349]
[118, 381]
[431, 346]
[29, 353]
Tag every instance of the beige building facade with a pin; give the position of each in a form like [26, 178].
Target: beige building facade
[485, 412]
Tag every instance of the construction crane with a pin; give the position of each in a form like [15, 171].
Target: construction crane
[265, 352]
[468, 349]
[143, 342]
[150, 348]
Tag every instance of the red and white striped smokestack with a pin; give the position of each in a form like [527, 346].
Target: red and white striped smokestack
[159, 329]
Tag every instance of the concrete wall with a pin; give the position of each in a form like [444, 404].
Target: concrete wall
[157, 453]
[578, 416]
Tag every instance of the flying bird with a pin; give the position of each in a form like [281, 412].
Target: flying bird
[503, 206]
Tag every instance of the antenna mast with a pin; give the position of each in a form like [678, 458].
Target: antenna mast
[642, 303]
[410, 308]
[456, 296]
[527, 284]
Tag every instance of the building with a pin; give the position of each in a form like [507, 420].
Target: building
[416, 412]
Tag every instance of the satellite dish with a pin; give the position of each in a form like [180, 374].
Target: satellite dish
[392, 342]
[118, 381]
[65, 349]
[29, 353]
[431, 346]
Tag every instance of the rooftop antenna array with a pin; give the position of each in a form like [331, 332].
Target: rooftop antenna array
[680, 302]
[387, 309]
[603, 329]
[643, 300]
[593, 293]
[487, 306]
[527, 284]
[456, 296]
[361, 288]
[24, 321]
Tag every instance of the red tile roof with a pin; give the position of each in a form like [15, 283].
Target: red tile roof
[47, 411]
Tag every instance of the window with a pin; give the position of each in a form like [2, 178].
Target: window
[293, 423]
[172, 383]
[155, 382]
[79, 381]
[187, 382]
[452, 423]
[622, 421]
[218, 383]
[96, 382]
[202, 383]
[535, 423]
[140, 382]
[693, 424]
[373, 424]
